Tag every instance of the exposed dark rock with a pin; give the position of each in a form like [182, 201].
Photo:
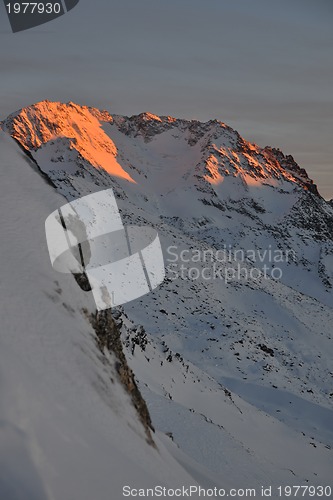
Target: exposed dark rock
[108, 337]
[288, 162]
[266, 349]
[83, 282]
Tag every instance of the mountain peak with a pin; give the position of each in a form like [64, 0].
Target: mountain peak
[51, 122]
[34, 125]
[149, 117]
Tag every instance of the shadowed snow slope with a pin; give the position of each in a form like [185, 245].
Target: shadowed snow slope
[68, 429]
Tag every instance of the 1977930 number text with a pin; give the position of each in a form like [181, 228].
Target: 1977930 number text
[33, 8]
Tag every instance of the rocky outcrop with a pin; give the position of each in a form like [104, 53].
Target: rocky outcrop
[108, 338]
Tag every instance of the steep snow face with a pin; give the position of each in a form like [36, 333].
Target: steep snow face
[68, 428]
[267, 341]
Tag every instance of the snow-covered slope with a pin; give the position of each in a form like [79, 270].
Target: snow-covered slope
[68, 429]
[238, 369]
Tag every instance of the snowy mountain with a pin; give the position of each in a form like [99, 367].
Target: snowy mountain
[71, 424]
[233, 352]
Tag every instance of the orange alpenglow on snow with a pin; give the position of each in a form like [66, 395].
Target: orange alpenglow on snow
[80, 124]
[212, 167]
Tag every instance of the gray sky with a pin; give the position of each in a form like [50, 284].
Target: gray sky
[265, 67]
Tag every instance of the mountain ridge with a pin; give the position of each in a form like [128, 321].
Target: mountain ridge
[52, 119]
